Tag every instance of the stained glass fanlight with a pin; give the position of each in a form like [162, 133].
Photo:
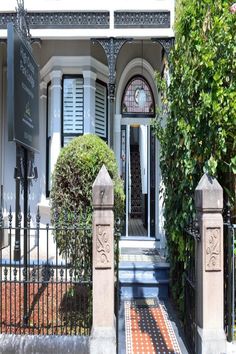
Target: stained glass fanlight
[138, 99]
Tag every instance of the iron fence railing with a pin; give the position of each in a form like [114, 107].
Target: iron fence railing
[192, 235]
[42, 292]
[117, 234]
[229, 277]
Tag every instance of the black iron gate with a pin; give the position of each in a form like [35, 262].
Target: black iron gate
[45, 295]
[229, 276]
[192, 235]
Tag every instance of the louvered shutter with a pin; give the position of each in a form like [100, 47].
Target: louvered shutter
[73, 111]
[101, 110]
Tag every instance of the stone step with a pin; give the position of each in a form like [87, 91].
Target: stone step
[143, 276]
[143, 272]
[137, 290]
[143, 279]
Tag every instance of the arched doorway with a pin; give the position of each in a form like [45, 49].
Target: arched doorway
[138, 156]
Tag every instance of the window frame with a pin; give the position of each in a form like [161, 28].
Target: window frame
[69, 76]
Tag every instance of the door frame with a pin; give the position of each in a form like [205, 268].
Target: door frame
[129, 122]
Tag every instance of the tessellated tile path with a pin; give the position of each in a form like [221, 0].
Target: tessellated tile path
[148, 328]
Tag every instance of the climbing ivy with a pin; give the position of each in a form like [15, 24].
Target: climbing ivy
[197, 123]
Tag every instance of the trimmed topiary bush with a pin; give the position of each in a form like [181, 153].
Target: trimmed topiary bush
[71, 196]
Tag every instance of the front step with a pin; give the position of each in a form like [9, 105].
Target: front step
[141, 279]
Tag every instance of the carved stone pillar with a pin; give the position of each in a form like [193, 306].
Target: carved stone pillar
[209, 268]
[103, 337]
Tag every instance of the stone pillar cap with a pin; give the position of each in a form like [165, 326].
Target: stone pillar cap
[103, 190]
[209, 194]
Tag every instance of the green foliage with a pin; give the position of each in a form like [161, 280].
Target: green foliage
[199, 132]
[71, 196]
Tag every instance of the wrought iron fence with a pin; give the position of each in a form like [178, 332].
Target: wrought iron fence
[117, 234]
[229, 276]
[192, 234]
[43, 291]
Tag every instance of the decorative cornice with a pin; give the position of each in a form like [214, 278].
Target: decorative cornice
[166, 43]
[82, 19]
[142, 19]
[112, 48]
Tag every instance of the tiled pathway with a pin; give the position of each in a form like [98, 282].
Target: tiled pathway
[148, 328]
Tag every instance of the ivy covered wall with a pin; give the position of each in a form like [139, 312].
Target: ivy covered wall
[199, 134]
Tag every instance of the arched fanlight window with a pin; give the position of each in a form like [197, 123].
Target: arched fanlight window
[138, 99]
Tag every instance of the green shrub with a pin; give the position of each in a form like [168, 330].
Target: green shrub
[71, 196]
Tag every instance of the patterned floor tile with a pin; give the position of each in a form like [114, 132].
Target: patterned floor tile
[148, 328]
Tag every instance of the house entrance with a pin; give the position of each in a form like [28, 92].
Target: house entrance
[138, 146]
[138, 173]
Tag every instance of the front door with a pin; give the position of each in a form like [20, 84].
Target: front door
[138, 173]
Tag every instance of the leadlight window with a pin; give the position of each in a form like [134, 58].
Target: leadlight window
[73, 108]
[131, 103]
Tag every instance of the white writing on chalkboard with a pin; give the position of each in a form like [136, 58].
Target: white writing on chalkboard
[26, 67]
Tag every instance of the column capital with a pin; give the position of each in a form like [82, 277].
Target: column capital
[55, 77]
[88, 74]
[55, 74]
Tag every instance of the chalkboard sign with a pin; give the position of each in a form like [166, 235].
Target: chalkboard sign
[22, 92]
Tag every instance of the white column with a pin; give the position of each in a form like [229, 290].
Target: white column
[42, 138]
[55, 115]
[117, 138]
[89, 101]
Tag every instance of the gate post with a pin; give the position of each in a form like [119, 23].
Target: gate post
[211, 337]
[103, 336]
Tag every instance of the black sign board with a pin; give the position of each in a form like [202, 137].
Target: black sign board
[22, 92]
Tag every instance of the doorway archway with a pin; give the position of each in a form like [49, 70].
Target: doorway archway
[137, 152]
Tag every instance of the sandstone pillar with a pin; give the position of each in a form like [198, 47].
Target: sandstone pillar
[211, 337]
[103, 338]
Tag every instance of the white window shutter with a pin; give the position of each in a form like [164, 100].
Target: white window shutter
[101, 110]
[73, 110]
